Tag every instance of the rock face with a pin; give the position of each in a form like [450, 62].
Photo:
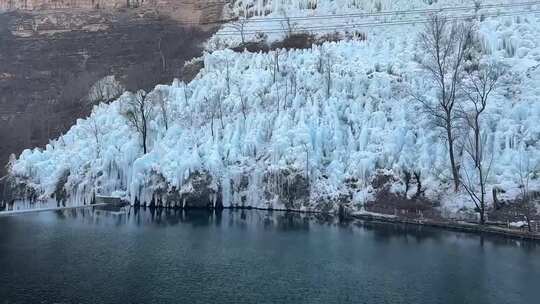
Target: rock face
[200, 192]
[57, 4]
[53, 51]
[288, 187]
[183, 10]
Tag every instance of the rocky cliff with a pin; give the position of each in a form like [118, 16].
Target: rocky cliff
[53, 51]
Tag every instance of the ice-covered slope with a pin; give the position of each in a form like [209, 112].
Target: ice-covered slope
[310, 132]
[277, 17]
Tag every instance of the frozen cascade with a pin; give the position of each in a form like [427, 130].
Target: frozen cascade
[289, 144]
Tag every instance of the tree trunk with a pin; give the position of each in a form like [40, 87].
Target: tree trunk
[495, 198]
[144, 131]
[453, 165]
[482, 200]
[482, 216]
[418, 184]
[144, 142]
[480, 173]
[528, 219]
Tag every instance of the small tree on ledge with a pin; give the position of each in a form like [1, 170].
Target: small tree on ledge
[137, 112]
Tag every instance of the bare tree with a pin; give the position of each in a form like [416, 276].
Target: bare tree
[137, 111]
[105, 90]
[306, 149]
[294, 83]
[219, 106]
[478, 86]
[275, 72]
[275, 65]
[525, 172]
[288, 26]
[324, 66]
[215, 110]
[278, 98]
[94, 129]
[227, 77]
[445, 45]
[261, 93]
[243, 102]
[186, 103]
[328, 75]
[286, 95]
[159, 98]
[212, 115]
[11, 163]
[240, 25]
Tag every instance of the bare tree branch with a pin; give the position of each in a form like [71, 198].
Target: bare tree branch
[137, 111]
[445, 45]
[478, 86]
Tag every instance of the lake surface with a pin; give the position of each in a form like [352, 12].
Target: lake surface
[249, 256]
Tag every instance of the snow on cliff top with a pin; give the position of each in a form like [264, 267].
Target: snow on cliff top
[374, 17]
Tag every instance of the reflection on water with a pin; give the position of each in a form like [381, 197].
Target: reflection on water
[20, 205]
[271, 220]
[249, 256]
[161, 217]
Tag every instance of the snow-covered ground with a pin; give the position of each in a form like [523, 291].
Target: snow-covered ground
[313, 133]
[275, 18]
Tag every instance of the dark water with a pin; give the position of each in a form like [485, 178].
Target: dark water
[84, 256]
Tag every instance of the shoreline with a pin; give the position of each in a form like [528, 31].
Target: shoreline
[37, 210]
[449, 225]
[452, 226]
[443, 225]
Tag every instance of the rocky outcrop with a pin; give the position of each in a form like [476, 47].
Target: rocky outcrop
[200, 192]
[63, 4]
[288, 187]
[52, 52]
[186, 11]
